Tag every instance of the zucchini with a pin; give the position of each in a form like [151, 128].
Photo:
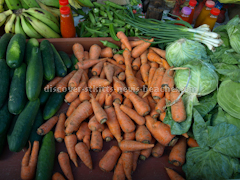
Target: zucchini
[43, 97]
[53, 104]
[37, 123]
[22, 129]
[17, 93]
[48, 60]
[15, 51]
[46, 158]
[34, 77]
[60, 68]
[74, 62]
[66, 59]
[4, 81]
[4, 44]
[29, 46]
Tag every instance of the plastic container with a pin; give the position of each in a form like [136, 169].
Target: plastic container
[63, 3]
[192, 6]
[212, 18]
[67, 23]
[185, 14]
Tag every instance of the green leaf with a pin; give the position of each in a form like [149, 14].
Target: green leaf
[232, 74]
[230, 58]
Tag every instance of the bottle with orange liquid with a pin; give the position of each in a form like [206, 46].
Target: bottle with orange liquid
[192, 6]
[212, 18]
[63, 3]
[66, 23]
[185, 14]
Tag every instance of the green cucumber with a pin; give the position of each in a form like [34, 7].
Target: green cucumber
[17, 93]
[4, 81]
[15, 51]
[46, 158]
[34, 77]
[66, 59]
[4, 44]
[48, 60]
[53, 104]
[29, 46]
[11, 73]
[10, 130]
[74, 62]
[60, 68]
[22, 129]
[6, 118]
[43, 97]
[37, 123]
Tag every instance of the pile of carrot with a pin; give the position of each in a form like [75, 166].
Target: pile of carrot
[108, 99]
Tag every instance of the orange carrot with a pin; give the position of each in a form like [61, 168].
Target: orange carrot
[96, 82]
[145, 72]
[119, 58]
[133, 115]
[160, 105]
[78, 51]
[88, 63]
[116, 64]
[94, 93]
[154, 65]
[83, 131]
[70, 142]
[84, 154]
[64, 162]
[86, 55]
[128, 145]
[118, 85]
[74, 93]
[167, 95]
[127, 159]
[136, 155]
[86, 140]
[102, 75]
[128, 103]
[107, 52]
[29, 164]
[145, 99]
[143, 57]
[178, 152]
[124, 40]
[108, 101]
[84, 94]
[143, 135]
[94, 125]
[162, 116]
[102, 94]
[138, 50]
[57, 176]
[153, 57]
[73, 106]
[74, 81]
[63, 83]
[47, 126]
[127, 57]
[96, 141]
[192, 142]
[129, 136]
[96, 70]
[117, 97]
[177, 110]
[136, 64]
[53, 83]
[84, 77]
[131, 80]
[146, 152]
[151, 74]
[83, 111]
[173, 175]
[152, 105]
[138, 75]
[94, 51]
[109, 160]
[167, 82]
[119, 171]
[125, 122]
[117, 70]
[109, 71]
[59, 133]
[107, 135]
[158, 150]
[160, 52]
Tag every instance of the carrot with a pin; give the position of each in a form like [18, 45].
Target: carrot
[141, 107]
[64, 162]
[74, 81]
[59, 133]
[117, 70]
[124, 40]
[117, 97]
[108, 101]
[136, 155]
[160, 105]
[107, 52]
[143, 135]
[167, 82]
[129, 136]
[144, 154]
[100, 114]
[145, 99]
[173, 175]
[84, 94]
[153, 57]
[119, 58]
[101, 96]
[29, 163]
[127, 57]
[167, 95]
[160, 52]
[88, 63]
[133, 115]
[83, 111]
[47, 126]
[86, 140]
[118, 85]
[158, 150]
[161, 132]
[83, 131]
[129, 145]
[141, 84]
[63, 83]
[127, 159]
[154, 65]
[138, 75]
[145, 72]
[109, 71]
[177, 110]
[57, 176]
[131, 80]
[143, 57]
[78, 51]
[96, 143]
[102, 75]
[154, 114]
[84, 77]
[96, 70]
[86, 55]
[109, 160]
[70, 142]
[94, 93]
[74, 93]
[136, 64]
[128, 103]
[162, 116]
[94, 51]
[192, 142]
[116, 64]
[84, 154]
[94, 125]
[73, 106]
[151, 74]
[96, 82]
[119, 171]
[125, 122]
[52, 83]
[138, 50]
[107, 135]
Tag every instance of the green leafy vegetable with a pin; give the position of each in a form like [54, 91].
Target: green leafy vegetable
[234, 75]
[223, 66]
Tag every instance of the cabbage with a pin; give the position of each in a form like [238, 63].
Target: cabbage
[183, 51]
[233, 29]
[229, 97]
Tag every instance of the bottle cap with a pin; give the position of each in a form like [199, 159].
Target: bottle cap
[193, 3]
[210, 4]
[186, 10]
[215, 11]
[63, 2]
[65, 10]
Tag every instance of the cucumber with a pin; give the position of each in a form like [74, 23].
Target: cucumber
[74, 62]
[10, 130]
[37, 123]
[48, 60]
[60, 68]
[4, 81]
[6, 118]
[43, 97]
[15, 51]
[4, 44]
[53, 104]
[34, 77]
[11, 73]
[22, 129]
[66, 59]
[46, 158]
[29, 46]
[17, 93]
